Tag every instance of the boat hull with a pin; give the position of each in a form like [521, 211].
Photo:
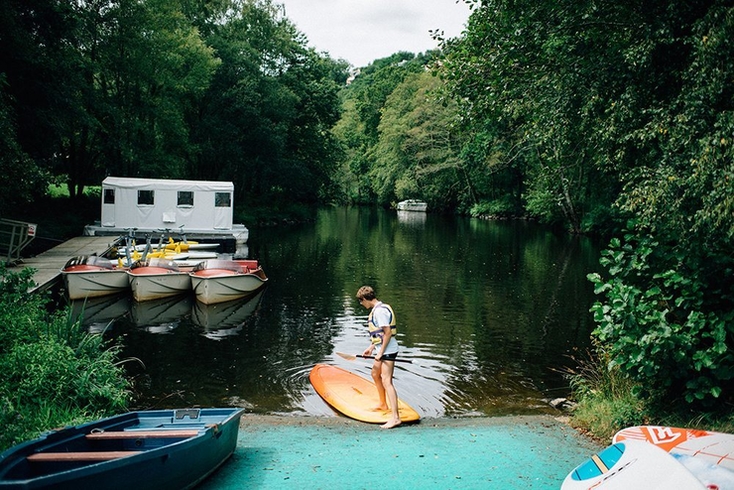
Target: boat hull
[82, 283]
[224, 286]
[150, 283]
[218, 281]
[183, 458]
[412, 205]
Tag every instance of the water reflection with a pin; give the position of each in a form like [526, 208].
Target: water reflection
[161, 315]
[165, 314]
[488, 312]
[223, 320]
[99, 314]
[411, 218]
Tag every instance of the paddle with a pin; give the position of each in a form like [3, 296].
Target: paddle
[350, 357]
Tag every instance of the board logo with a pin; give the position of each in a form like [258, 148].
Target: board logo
[663, 435]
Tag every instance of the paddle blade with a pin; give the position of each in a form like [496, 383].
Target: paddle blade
[348, 357]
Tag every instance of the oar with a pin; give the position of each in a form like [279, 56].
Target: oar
[350, 357]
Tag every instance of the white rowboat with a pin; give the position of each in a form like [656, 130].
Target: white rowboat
[217, 281]
[90, 276]
[158, 278]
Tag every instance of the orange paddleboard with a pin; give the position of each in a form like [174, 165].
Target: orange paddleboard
[353, 395]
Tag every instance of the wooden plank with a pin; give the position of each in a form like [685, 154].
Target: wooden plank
[144, 434]
[49, 263]
[80, 456]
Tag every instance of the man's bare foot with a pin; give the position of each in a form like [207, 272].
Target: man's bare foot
[390, 424]
[381, 408]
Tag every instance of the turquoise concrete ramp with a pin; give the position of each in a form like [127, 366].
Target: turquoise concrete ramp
[335, 453]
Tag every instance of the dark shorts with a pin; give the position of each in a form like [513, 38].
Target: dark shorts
[389, 357]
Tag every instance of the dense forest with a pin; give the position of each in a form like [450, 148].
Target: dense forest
[596, 116]
[221, 90]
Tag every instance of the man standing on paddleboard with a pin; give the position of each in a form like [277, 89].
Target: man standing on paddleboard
[382, 327]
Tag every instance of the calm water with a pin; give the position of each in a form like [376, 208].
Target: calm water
[488, 312]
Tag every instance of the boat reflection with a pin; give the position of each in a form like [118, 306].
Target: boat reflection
[98, 314]
[161, 315]
[411, 218]
[222, 320]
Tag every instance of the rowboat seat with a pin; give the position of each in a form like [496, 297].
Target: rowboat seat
[80, 456]
[144, 434]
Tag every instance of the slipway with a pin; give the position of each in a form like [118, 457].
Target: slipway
[334, 453]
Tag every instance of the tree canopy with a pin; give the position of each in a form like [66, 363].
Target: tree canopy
[225, 90]
[599, 116]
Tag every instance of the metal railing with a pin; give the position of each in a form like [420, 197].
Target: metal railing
[14, 237]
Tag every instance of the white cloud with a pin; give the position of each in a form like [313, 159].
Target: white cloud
[361, 31]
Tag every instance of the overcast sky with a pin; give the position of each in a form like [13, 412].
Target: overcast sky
[361, 31]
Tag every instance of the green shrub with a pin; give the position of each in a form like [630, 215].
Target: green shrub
[666, 331]
[54, 373]
[503, 208]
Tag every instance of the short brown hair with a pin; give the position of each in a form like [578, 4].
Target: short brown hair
[366, 292]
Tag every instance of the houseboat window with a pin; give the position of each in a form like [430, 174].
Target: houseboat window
[109, 196]
[222, 199]
[146, 198]
[185, 198]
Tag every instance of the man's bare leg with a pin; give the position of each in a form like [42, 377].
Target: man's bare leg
[391, 393]
[377, 368]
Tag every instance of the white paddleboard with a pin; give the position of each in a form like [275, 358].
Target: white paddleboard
[712, 447]
[716, 449]
[169, 246]
[713, 476]
[632, 465]
[201, 255]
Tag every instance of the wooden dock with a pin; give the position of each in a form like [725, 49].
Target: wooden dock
[49, 263]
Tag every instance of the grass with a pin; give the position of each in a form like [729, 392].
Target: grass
[607, 402]
[605, 398]
[62, 190]
[54, 372]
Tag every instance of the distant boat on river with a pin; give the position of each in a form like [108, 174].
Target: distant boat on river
[412, 205]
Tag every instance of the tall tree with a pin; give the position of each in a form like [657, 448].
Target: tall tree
[620, 107]
[266, 117]
[417, 152]
[670, 281]
[146, 69]
[363, 103]
[36, 96]
[525, 73]
[22, 178]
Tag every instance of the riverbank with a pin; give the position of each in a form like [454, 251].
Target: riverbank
[534, 452]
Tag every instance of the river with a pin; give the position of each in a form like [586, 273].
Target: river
[490, 313]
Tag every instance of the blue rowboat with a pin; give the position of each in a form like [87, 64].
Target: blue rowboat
[156, 449]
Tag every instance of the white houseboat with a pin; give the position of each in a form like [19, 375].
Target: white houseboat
[195, 207]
